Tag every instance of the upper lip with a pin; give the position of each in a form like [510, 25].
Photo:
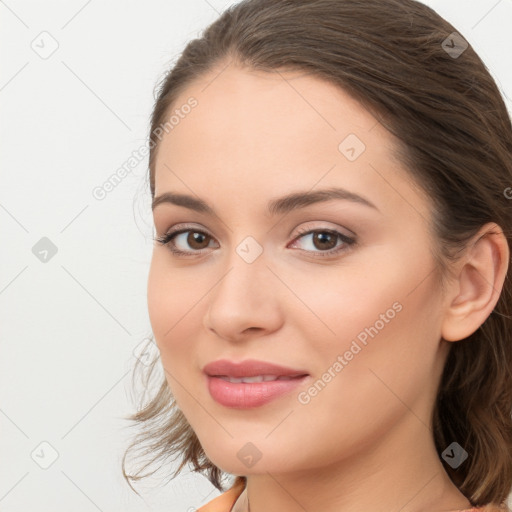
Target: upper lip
[249, 368]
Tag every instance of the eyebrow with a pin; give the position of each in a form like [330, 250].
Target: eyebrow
[277, 206]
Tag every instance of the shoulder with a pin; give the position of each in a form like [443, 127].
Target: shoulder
[225, 501]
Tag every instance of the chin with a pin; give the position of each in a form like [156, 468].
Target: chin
[244, 458]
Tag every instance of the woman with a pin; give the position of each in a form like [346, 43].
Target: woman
[328, 289]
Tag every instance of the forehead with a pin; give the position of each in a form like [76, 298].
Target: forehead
[254, 132]
[249, 109]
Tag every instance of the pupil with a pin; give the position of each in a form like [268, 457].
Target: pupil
[196, 238]
[323, 237]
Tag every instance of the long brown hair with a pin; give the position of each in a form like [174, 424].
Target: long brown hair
[405, 65]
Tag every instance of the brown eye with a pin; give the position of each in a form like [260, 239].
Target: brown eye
[185, 242]
[324, 240]
[196, 239]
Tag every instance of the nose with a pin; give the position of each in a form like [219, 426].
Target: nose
[245, 301]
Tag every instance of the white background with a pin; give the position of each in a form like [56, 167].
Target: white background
[69, 326]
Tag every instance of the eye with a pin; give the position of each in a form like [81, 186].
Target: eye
[194, 238]
[324, 242]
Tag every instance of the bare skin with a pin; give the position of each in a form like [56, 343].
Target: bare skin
[364, 442]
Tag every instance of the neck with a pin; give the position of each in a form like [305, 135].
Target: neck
[400, 472]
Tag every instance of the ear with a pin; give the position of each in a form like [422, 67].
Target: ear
[474, 292]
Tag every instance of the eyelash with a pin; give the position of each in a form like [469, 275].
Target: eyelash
[168, 240]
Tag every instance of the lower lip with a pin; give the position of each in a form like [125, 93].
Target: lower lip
[245, 395]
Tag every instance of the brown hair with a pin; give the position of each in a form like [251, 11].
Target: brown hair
[454, 136]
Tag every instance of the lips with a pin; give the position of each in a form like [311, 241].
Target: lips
[250, 383]
[250, 368]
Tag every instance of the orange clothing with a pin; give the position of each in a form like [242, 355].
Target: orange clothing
[225, 502]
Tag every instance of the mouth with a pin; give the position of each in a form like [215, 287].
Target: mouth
[256, 378]
[250, 368]
[250, 383]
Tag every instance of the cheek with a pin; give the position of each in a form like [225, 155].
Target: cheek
[378, 380]
[173, 305]
[342, 303]
[379, 290]
[386, 319]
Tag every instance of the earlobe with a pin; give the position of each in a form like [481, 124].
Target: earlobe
[474, 293]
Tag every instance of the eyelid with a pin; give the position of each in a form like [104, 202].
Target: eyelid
[348, 240]
[301, 230]
[308, 228]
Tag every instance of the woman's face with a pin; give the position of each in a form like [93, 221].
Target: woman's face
[342, 289]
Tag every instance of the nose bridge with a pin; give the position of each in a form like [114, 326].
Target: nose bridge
[246, 270]
[244, 297]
